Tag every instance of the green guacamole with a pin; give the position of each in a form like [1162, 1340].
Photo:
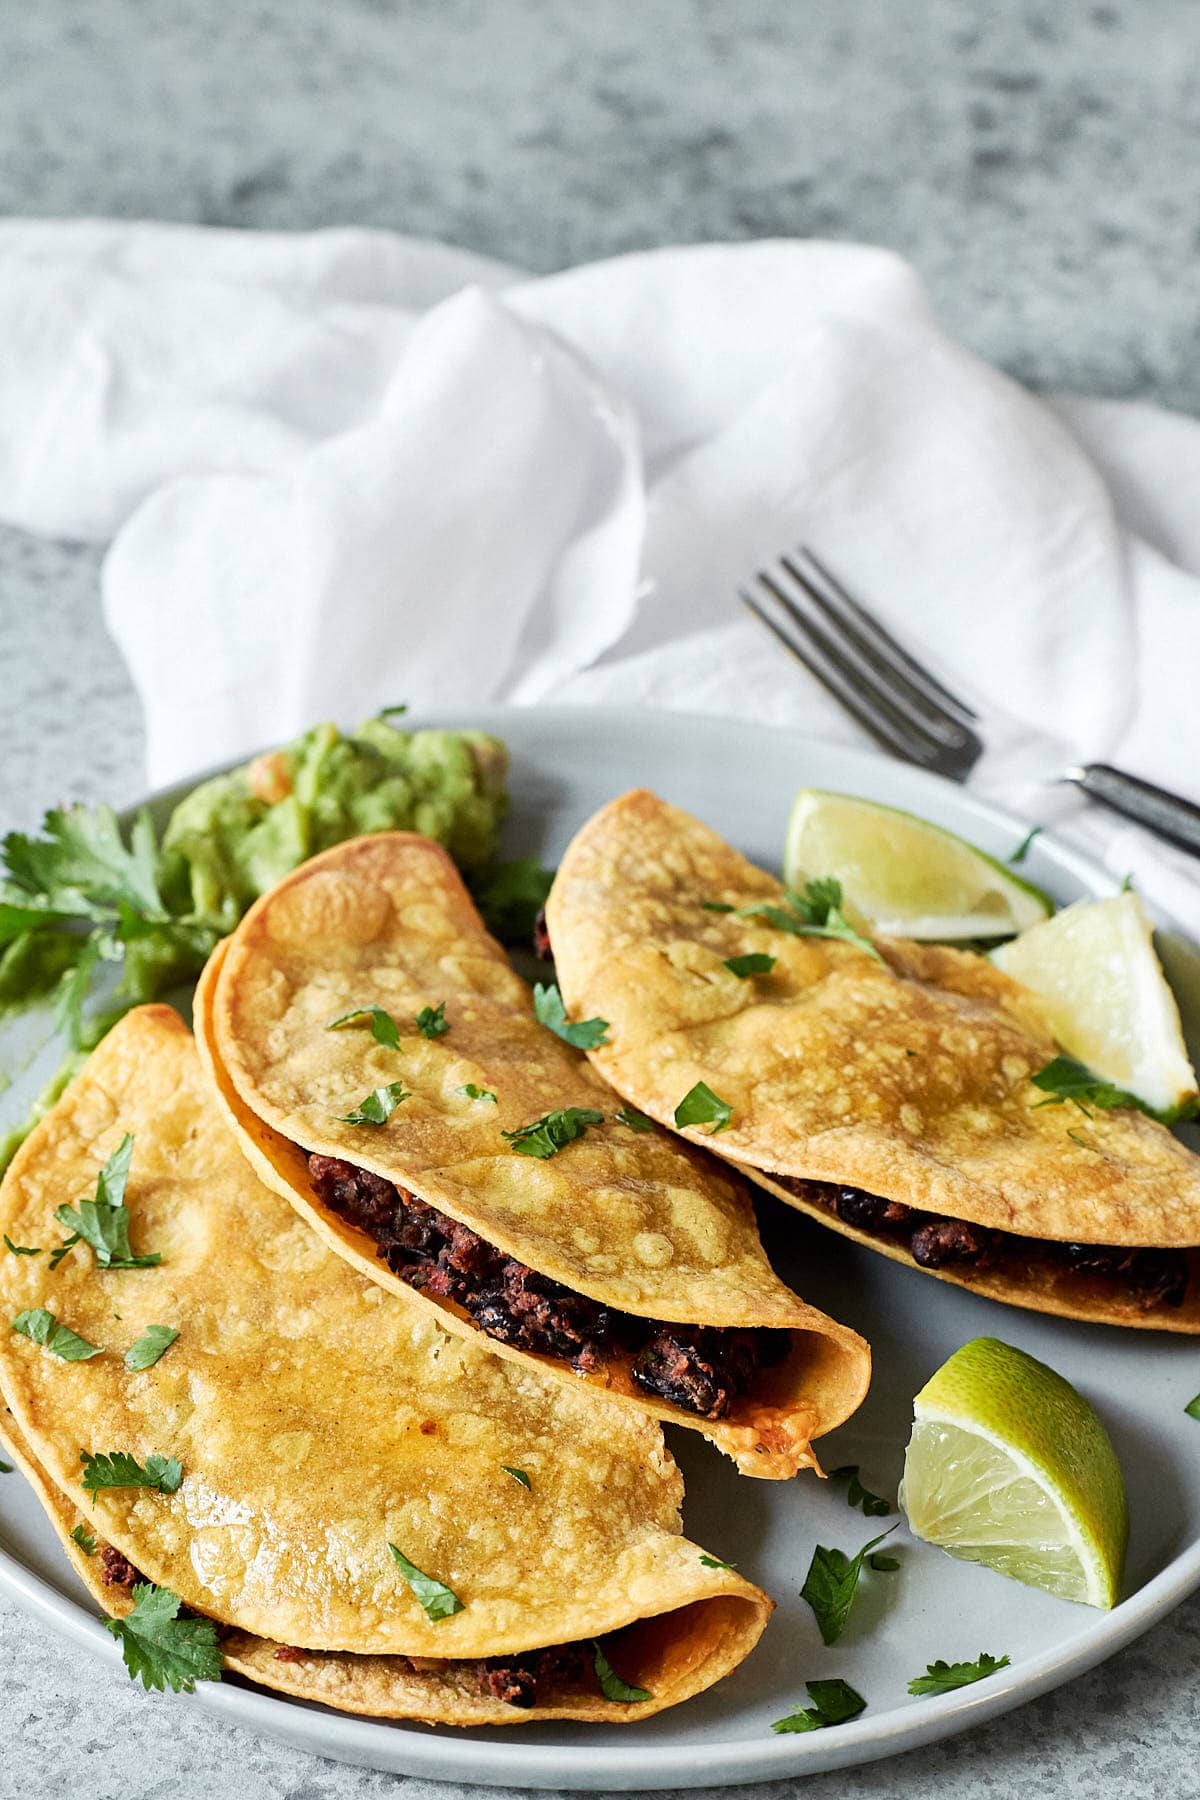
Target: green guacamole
[235, 836]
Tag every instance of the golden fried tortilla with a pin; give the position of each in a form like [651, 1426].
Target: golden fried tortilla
[908, 1077]
[632, 1219]
[317, 1419]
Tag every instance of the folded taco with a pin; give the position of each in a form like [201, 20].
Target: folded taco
[885, 1090]
[374, 1513]
[384, 1070]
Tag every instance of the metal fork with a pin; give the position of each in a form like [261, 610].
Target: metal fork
[904, 706]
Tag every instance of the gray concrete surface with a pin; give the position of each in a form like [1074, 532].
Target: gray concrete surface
[1036, 161]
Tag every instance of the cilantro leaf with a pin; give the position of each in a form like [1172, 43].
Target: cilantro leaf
[518, 1475]
[103, 1223]
[700, 1106]
[1022, 849]
[432, 1022]
[85, 1540]
[477, 1093]
[833, 1702]
[6, 1468]
[587, 1034]
[72, 991]
[817, 912]
[165, 1650]
[378, 1106]
[384, 1028]
[636, 1121]
[1192, 1409]
[117, 1469]
[831, 1584]
[1064, 1078]
[755, 963]
[81, 864]
[714, 1562]
[717, 906]
[886, 1565]
[546, 1136]
[435, 1597]
[943, 1678]
[856, 1494]
[41, 1327]
[611, 1685]
[385, 712]
[510, 896]
[149, 1347]
[20, 1249]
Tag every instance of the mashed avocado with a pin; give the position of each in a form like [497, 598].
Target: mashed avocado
[235, 836]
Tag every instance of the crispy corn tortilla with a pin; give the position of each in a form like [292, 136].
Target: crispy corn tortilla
[317, 1420]
[908, 1078]
[673, 1653]
[632, 1219]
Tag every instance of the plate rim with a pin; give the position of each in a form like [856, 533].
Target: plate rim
[409, 1747]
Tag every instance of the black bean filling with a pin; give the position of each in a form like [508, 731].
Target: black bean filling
[519, 1680]
[700, 1368]
[1154, 1277]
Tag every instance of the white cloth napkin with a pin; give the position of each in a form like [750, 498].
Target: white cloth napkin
[346, 468]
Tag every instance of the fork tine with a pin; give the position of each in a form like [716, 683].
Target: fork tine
[862, 701]
[884, 644]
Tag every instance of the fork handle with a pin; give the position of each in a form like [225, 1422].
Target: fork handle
[1169, 815]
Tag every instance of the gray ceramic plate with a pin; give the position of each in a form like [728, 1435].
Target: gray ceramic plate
[741, 778]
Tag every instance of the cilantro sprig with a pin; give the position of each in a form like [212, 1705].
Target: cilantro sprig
[473, 1092]
[611, 1684]
[1066, 1079]
[118, 1469]
[154, 1341]
[160, 1647]
[1192, 1409]
[378, 1106]
[943, 1677]
[831, 1584]
[384, 1028]
[816, 912]
[700, 1106]
[21, 1249]
[874, 1507]
[753, 963]
[437, 1600]
[714, 1562]
[41, 1327]
[519, 1475]
[585, 1034]
[833, 1702]
[432, 1022]
[546, 1136]
[84, 1539]
[103, 1223]
[634, 1120]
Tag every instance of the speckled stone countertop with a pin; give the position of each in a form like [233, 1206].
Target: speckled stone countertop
[1037, 161]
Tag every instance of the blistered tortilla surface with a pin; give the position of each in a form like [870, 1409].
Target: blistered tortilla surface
[908, 1077]
[317, 1418]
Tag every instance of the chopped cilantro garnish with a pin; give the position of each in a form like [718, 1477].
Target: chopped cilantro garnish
[84, 1539]
[117, 1469]
[103, 1223]
[41, 1327]
[831, 1584]
[1192, 1409]
[1063, 1078]
[858, 1495]
[432, 1022]
[6, 1468]
[165, 1650]
[477, 1093]
[755, 963]
[611, 1685]
[384, 1028]
[943, 1677]
[387, 712]
[510, 895]
[435, 1597]
[700, 1106]
[518, 1475]
[378, 1106]
[833, 1702]
[636, 1121]
[587, 1034]
[20, 1249]
[817, 912]
[548, 1135]
[1022, 849]
[714, 1562]
[886, 1565]
[718, 906]
[149, 1347]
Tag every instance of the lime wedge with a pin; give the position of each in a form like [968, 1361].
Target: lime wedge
[902, 876]
[1106, 998]
[1008, 1466]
